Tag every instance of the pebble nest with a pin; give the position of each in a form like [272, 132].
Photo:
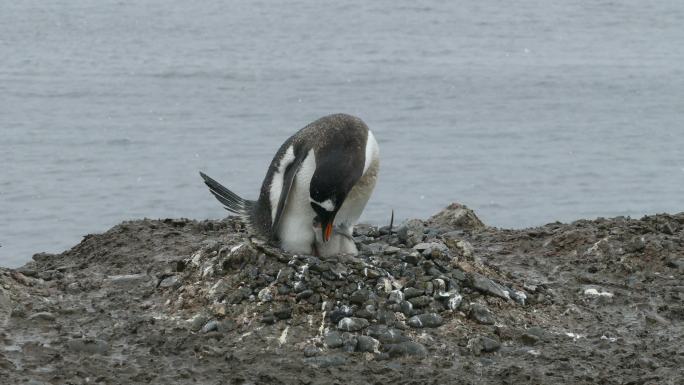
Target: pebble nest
[445, 300]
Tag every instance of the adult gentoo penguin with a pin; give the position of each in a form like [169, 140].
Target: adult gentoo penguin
[315, 189]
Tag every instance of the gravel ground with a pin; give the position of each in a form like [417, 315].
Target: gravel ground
[445, 300]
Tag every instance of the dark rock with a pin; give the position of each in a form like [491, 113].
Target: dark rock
[481, 314]
[359, 297]
[198, 321]
[406, 307]
[341, 312]
[367, 312]
[518, 296]
[636, 244]
[352, 324]
[407, 348]
[171, 282]
[350, 342]
[411, 232]
[413, 258]
[396, 296]
[304, 294]
[459, 275]
[333, 340]
[367, 344]
[238, 295]
[386, 317]
[411, 292]
[391, 250]
[427, 320]
[265, 294]
[210, 326]
[420, 301]
[283, 290]
[387, 335]
[452, 300]
[488, 286]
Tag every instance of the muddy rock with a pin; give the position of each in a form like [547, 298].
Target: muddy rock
[447, 300]
[457, 216]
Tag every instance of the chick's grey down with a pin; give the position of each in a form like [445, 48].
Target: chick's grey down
[315, 189]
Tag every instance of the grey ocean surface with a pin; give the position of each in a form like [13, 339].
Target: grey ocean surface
[527, 111]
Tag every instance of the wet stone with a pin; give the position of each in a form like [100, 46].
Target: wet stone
[341, 312]
[359, 297]
[411, 292]
[391, 250]
[333, 340]
[413, 258]
[210, 326]
[239, 295]
[352, 324]
[304, 294]
[420, 301]
[386, 317]
[481, 314]
[406, 307]
[383, 285]
[367, 344]
[265, 295]
[396, 296]
[367, 312]
[454, 301]
[488, 286]
[350, 342]
[198, 321]
[427, 320]
[387, 335]
[171, 282]
[371, 273]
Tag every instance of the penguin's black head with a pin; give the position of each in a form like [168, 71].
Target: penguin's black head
[337, 169]
[325, 210]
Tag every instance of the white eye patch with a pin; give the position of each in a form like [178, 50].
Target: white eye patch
[328, 205]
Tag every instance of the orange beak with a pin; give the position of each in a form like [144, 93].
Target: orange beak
[328, 232]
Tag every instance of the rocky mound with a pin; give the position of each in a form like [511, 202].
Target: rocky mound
[447, 300]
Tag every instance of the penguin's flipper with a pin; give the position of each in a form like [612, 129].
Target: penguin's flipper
[231, 201]
[288, 180]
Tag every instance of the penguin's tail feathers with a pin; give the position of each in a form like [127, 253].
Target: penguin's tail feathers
[230, 200]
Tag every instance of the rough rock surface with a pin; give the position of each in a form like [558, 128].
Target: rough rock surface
[444, 301]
